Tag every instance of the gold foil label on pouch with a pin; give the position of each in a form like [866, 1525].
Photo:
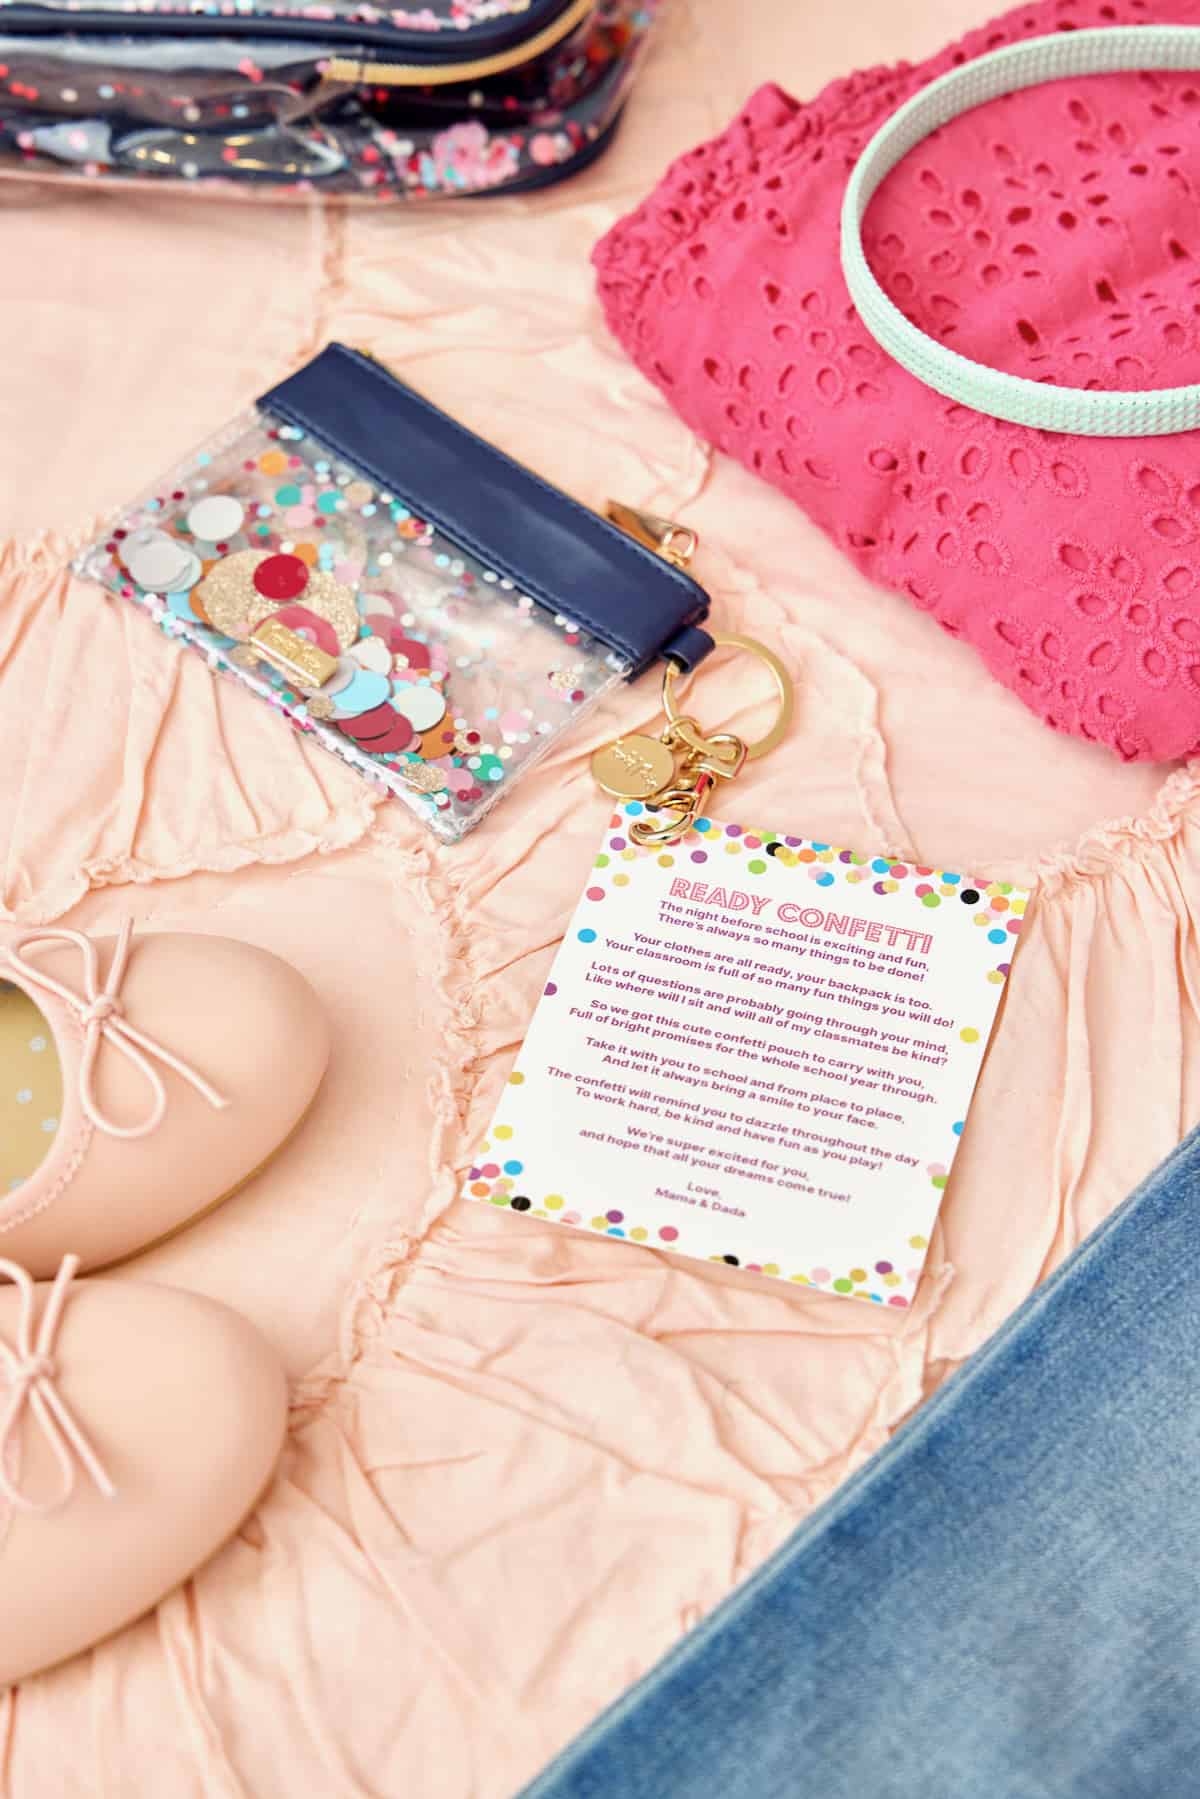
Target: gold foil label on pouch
[303, 663]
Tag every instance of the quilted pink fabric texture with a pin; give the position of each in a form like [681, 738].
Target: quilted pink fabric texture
[1053, 233]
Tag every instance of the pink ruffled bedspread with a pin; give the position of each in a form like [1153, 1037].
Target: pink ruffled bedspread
[522, 1461]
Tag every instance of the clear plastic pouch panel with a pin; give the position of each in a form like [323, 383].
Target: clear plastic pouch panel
[433, 675]
[261, 115]
[219, 108]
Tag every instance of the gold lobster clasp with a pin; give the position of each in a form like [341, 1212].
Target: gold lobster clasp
[721, 754]
[687, 800]
[674, 774]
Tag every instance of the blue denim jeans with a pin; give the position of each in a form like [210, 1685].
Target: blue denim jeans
[1004, 1603]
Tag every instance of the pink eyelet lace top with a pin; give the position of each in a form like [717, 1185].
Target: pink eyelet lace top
[1054, 233]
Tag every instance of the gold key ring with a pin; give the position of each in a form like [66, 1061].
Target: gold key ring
[729, 640]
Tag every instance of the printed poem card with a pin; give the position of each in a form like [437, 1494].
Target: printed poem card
[757, 1050]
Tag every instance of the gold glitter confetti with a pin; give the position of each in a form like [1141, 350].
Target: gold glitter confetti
[229, 596]
[319, 707]
[422, 776]
[235, 606]
[331, 600]
[564, 680]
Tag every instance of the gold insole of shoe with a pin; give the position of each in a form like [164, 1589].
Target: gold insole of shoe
[30, 1088]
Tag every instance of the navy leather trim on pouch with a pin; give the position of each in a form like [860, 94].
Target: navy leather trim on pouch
[688, 649]
[566, 558]
[485, 37]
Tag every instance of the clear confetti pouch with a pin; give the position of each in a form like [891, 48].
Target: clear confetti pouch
[280, 98]
[426, 608]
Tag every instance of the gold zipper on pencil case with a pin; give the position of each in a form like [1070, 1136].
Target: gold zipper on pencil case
[360, 70]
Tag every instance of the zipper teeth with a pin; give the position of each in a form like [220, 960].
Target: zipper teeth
[412, 74]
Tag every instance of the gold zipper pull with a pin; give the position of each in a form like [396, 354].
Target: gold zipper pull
[358, 70]
[675, 543]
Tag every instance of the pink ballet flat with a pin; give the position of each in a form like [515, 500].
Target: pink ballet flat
[138, 1428]
[141, 1084]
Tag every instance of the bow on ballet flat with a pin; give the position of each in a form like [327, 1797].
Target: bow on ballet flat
[29, 1371]
[99, 1010]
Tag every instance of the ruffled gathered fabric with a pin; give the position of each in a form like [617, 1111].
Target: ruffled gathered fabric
[1049, 233]
[138, 724]
[522, 1460]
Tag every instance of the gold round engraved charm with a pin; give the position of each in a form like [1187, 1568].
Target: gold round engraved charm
[634, 767]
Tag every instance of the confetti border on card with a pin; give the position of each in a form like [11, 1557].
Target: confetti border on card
[499, 1177]
[998, 907]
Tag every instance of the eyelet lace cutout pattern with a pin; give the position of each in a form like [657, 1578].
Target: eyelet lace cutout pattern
[1051, 233]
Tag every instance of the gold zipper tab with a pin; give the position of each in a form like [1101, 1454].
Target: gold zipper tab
[675, 543]
[359, 71]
